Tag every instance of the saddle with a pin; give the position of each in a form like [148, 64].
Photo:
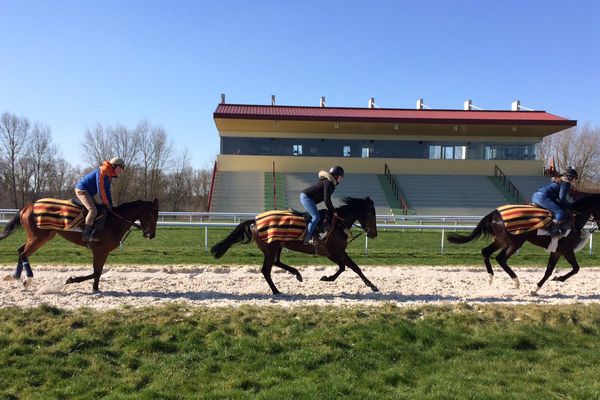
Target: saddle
[65, 215]
[288, 225]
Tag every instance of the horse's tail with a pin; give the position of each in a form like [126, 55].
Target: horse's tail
[484, 227]
[241, 234]
[11, 226]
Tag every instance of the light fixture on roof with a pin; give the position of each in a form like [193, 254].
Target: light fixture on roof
[272, 99]
[455, 128]
[421, 105]
[514, 128]
[222, 98]
[322, 102]
[468, 106]
[395, 127]
[516, 106]
[336, 125]
[275, 124]
[372, 102]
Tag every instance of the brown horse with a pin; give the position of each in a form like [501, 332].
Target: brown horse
[118, 222]
[333, 247]
[585, 209]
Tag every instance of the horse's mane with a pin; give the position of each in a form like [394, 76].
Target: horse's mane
[586, 199]
[352, 203]
[131, 204]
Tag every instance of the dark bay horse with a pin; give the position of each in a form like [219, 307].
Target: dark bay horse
[118, 222]
[585, 209]
[333, 247]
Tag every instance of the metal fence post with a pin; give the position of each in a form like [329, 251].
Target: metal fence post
[591, 240]
[366, 245]
[442, 250]
[206, 239]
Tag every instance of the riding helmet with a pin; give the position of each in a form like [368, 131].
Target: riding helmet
[337, 171]
[571, 173]
[117, 162]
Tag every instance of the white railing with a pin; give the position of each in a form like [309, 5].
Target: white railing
[419, 223]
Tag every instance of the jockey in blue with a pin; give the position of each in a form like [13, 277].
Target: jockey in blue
[321, 191]
[96, 185]
[553, 197]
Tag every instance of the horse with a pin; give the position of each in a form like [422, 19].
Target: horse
[118, 222]
[585, 209]
[333, 246]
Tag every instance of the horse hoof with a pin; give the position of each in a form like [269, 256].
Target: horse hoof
[534, 292]
[299, 277]
[516, 283]
[373, 288]
[27, 283]
[9, 277]
[325, 279]
[69, 280]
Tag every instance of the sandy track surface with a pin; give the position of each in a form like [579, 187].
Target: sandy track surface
[142, 286]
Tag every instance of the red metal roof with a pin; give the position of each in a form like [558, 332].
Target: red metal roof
[390, 115]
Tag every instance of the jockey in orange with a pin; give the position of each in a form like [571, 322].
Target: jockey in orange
[96, 185]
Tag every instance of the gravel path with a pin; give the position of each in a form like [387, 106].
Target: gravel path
[141, 286]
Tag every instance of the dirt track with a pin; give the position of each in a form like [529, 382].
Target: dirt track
[141, 286]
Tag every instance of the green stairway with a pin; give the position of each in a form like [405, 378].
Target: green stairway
[280, 188]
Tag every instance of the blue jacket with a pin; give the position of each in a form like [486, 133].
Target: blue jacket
[557, 192]
[97, 182]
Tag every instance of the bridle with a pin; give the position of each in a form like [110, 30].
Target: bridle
[132, 226]
[337, 218]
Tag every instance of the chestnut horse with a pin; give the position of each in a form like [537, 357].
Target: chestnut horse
[585, 209]
[118, 222]
[333, 247]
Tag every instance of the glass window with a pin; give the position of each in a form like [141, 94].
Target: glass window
[460, 152]
[448, 152]
[297, 150]
[346, 151]
[365, 152]
[435, 152]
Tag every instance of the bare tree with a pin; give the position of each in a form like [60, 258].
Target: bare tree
[578, 147]
[14, 132]
[155, 154]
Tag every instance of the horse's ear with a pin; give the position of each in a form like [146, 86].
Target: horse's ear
[156, 203]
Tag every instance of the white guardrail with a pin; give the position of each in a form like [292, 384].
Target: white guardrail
[384, 222]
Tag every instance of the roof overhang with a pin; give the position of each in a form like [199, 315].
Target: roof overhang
[230, 118]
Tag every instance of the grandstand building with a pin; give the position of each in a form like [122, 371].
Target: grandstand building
[423, 161]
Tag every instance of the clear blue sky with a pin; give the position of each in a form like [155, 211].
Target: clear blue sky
[72, 64]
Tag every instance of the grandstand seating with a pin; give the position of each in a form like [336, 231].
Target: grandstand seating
[528, 184]
[238, 192]
[354, 185]
[450, 194]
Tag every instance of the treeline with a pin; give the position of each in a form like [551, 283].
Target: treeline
[31, 166]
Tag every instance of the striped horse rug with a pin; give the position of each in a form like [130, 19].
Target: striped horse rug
[56, 214]
[279, 225]
[520, 219]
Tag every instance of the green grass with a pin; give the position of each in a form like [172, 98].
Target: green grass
[175, 246]
[451, 352]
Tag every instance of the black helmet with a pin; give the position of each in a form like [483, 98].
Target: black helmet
[571, 173]
[337, 171]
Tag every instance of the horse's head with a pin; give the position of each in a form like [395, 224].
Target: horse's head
[148, 218]
[367, 218]
[588, 205]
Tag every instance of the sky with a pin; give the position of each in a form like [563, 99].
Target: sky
[73, 64]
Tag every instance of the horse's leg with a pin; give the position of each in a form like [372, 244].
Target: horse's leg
[99, 259]
[34, 242]
[487, 252]
[286, 267]
[502, 259]
[341, 268]
[269, 253]
[346, 260]
[549, 269]
[570, 257]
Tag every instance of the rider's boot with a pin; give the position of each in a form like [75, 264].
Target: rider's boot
[86, 236]
[555, 228]
[306, 239]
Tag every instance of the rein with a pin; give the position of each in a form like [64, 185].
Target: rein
[131, 225]
[332, 227]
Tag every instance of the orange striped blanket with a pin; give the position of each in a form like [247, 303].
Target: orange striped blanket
[56, 214]
[279, 225]
[520, 219]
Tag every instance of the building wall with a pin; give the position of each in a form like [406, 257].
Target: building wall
[243, 163]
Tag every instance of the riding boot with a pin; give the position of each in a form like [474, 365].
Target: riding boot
[555, 228]
[306, 238]
[86, 236]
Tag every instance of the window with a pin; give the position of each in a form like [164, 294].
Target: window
[365, 152]
[439, 152]
[346, 151]
[297, 150]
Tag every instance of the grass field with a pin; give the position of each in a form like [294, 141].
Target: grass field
[458, 352]
[175, 246]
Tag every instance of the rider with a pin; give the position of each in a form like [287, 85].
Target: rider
[553, 197]
[96, 185]
[321, 191]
